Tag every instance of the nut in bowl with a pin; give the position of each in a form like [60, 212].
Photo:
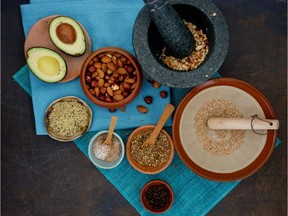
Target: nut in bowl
[111, 77]
[106, 156]
[67, 118]
[157, 196]
[149, 159]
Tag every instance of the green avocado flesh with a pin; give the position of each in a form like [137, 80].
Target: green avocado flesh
[46, 64]
[67, 35]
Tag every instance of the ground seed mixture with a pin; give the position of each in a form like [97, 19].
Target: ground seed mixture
[218, 142]
[150, 155]
[67, 118]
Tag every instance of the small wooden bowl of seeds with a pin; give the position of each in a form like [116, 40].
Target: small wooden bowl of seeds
[149, 159]
[157, 196]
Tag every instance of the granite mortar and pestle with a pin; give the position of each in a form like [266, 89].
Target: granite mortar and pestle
[160, 24]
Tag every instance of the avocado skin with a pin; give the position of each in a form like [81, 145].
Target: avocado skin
[36, 74]
[79, 27]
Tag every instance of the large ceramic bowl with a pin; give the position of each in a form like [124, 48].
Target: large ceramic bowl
[255, 149]
[111, 77]
[138, 166]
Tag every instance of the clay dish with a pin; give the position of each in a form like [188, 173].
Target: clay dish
[38, 37]
[145, 202]
[147, 169]
[125, 76]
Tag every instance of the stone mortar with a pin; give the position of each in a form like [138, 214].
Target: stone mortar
[148, 45]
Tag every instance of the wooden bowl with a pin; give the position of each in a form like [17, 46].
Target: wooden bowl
[90, 76]
[145, 202]
[138, 166]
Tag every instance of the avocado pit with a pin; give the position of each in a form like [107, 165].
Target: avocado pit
[66, 33]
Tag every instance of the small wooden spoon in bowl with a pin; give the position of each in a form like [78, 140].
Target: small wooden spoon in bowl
[163, 118]
[108, 140]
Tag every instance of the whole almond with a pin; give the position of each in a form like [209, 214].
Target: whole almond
[122, 70]
[104, 67]
[110, 91]
[142, 109]
[130, 80]
[106, 59]
[156, 84]
[98, 64]
[101, 83]
[101, 74]
[97, 91]
[111, 66]
[118, 97]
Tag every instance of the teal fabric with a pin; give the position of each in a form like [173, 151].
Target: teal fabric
[96, 17]
[194, 195]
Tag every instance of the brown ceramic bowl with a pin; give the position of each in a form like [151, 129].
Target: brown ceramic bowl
[144, 197]
[99, 75]
[142, 168]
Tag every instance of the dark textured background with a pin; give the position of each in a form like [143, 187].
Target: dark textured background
[40, 176]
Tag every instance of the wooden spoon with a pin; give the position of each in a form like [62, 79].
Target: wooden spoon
[108, 140]
[164, 117]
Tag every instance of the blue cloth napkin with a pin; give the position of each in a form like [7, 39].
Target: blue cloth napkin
[109, 24]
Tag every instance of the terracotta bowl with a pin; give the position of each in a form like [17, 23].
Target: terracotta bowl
[105, 93]
[147, 169]
[145, 202]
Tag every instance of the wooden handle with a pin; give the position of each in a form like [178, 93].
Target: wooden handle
[242, 124]
[164, 117]
[111, 130]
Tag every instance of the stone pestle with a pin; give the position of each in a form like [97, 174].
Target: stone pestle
[177, 38]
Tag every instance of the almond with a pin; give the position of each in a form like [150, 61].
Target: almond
[106, 59]
[142, 109]
[118, 97]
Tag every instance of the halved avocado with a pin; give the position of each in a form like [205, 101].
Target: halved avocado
[67, 35]
[46, 64]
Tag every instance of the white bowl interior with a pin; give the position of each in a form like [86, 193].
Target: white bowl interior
[105, 164]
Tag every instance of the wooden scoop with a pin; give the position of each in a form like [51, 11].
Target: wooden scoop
[164, 117]
[243, 124]
[108, 140]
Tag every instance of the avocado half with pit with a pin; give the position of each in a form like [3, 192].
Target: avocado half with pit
[46, 64]
[67, 35]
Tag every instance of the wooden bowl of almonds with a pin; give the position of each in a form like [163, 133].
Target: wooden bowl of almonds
[111, 77]
[149, 159]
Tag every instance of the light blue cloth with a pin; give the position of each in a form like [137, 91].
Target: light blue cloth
[108, 24]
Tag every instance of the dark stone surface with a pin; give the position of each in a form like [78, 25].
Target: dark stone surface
[174, 33]
[40, 176]
[148, 44]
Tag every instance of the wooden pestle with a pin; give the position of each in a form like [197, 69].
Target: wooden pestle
[242, 124]
[164, 117]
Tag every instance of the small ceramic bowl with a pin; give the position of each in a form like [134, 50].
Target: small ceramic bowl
[111, 77]
[138, 166]
[80, 130]
[158, 186]
[101, 163]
